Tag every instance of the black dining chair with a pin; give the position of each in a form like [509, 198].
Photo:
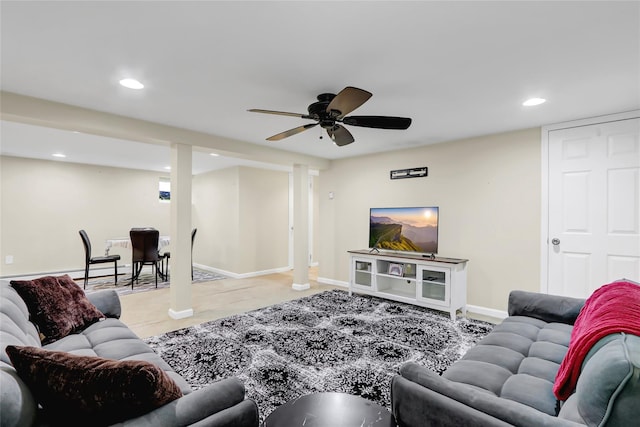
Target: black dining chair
[144, 251]
[88, 259]
[167, 255]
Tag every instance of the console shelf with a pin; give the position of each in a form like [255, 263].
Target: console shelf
[437, 283]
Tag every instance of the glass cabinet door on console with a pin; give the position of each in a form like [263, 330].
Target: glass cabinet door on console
[434, 285]
[362, 270]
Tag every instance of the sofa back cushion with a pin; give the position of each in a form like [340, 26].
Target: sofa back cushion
[548, 308]
[608, 389]
[15, 327]
[17, 405]
[518, 361]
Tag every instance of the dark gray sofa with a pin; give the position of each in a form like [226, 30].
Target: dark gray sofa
[220, 404]
[507, 379]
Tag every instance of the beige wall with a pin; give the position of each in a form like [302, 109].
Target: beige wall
[241, 214]
[215, 215]
[264, 220]
[45, 203]
[244, 214]
[488, 191]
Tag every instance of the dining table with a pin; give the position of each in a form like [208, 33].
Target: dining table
[125, 242]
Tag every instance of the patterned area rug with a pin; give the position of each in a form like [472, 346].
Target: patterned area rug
[326, 342]
[146, 282]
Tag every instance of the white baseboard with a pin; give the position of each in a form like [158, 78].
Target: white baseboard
[182, 314]
[300, 287]
[485, 311]
[333, 282]
[241, 275]
[123, 269]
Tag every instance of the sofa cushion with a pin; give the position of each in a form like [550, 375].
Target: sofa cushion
[15, 327]
[518, 361]
[504, 357]
[85, 390]
[57, 305]
[540, 368]
[17, 405]
[530, 391]
[569, 410]
[479, 374]
[608, 389]
[112, 339]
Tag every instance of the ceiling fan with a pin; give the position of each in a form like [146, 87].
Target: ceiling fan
[330, 110]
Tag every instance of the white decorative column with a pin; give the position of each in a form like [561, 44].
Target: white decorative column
[300, 227]
[180, 289]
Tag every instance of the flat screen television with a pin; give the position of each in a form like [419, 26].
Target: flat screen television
[404, 229]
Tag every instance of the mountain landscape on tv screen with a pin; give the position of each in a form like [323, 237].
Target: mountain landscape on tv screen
[395, 236]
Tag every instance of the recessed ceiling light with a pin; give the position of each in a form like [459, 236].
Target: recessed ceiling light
[59, 155]
[534, 101]
[168, 168]
[131, 83]
[214, 154]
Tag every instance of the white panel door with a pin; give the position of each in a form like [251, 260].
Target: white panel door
[594, 206]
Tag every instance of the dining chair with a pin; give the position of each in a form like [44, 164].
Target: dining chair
[166, 255]
[88, 259]
[144, 251]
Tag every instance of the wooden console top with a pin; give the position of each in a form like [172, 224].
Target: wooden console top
[415, 257]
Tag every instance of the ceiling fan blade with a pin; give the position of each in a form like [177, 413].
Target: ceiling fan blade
[279, 113]
[348, 100]
[340, 135]
[378, 122]
[291, 132]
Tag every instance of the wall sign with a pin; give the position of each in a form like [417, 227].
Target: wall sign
[409, 173]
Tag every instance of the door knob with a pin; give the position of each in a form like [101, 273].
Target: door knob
[555, 241]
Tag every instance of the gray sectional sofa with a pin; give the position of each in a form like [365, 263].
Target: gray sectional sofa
[220, 404]
[507, 379]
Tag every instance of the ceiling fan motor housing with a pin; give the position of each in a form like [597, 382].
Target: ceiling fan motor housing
[318, 111]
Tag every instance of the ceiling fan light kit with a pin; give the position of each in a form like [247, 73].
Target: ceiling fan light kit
[330, 110]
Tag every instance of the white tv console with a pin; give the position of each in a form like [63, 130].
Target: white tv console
[437, 283]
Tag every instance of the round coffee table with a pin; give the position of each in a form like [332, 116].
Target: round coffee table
[330, 409]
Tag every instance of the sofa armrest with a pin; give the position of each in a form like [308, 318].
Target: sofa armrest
[549, 308]
[107, 301]
[219, 404]
[454, 404]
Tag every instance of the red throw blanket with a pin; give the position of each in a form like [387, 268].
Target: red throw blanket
[610, 309]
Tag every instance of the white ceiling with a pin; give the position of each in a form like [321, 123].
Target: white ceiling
[458, 69]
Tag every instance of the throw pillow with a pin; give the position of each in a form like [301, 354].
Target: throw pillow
[57, 305]
[87, 390]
